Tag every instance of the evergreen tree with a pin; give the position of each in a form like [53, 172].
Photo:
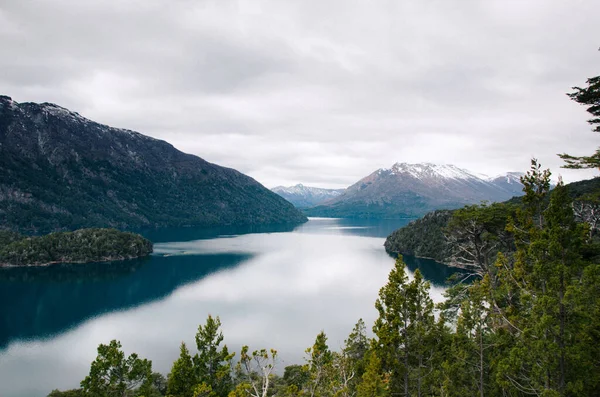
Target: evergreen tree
[374, 382]
[319, 366]
[212, 363]
[111, 374]
[466, 369]
[182, 378]
[547, 272]
[354, 351]
[590, 97]
[404, 331]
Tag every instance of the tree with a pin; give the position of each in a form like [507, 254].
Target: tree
[256, 370]
[374, 381]
[404, 331]
[111, 374]
[547, 271]
[212, 364]
[589, 96]
[352, 359]
[182, 378]
[296, 376]
[476, 234]
[67, 393]
[466, 368]
[159, 385]
[319, 360]
[587, 209]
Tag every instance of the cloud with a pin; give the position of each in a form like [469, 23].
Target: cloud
[320, 93]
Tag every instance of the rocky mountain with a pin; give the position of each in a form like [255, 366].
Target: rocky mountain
[61, 171]
[410, 190]
[305, 196]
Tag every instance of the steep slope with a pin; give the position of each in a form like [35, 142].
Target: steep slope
[305, 196]
[61, 171]
[409, 190]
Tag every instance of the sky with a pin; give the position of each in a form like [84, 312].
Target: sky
[318, 92]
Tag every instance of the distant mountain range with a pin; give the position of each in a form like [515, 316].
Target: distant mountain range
[61, 171]
[305, 196]
[411, 190]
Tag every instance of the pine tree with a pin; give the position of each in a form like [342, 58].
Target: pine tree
[212, 363]
[355, 350]
[319, 366]
[374, 382]
[111, 374]
[404, 331]
[589, 96]
[547, 271]
[182, 378]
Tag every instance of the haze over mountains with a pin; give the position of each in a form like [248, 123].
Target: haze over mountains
[305, 196]
[61, 171]
[410, 190]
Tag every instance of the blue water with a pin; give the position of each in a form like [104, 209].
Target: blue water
[273, 287]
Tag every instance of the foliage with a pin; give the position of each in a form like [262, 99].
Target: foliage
[8, 237]
[318, 364]
[405, 332]
[256, 370]
[85, 245]
[590, 97]
[212, 364]
[182, 378]
[67, 393]
[427, 237]
[111, 374]
[423, 237]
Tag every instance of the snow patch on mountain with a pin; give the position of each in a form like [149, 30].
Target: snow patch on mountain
[306, 196]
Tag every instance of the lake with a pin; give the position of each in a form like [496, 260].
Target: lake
[273, 287]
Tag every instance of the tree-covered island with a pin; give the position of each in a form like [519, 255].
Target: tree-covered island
[80, 246]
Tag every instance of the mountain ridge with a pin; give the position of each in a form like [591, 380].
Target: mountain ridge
[306, 196]
[411, 190]
[62, 171]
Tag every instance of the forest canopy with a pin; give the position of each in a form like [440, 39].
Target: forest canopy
[80, 246]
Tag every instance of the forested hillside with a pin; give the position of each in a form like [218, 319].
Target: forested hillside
[61, 171]
[432, 235]
[81, 246]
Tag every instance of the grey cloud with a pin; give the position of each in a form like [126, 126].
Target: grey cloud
[321, 93]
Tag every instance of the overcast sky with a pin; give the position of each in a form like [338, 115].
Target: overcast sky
[317, 92]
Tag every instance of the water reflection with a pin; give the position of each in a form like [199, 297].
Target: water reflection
[273, 289]
[166, 235]
[41, 302]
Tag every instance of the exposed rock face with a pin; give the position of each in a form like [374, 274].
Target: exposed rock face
[61, 171]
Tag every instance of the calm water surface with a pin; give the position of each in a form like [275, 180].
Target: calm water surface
[272, 287]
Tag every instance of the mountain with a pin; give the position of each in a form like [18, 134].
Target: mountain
[61, 171]
[510, 182]
[410, 190]
[305, 196]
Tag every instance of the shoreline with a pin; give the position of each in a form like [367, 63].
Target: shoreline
[46, 264]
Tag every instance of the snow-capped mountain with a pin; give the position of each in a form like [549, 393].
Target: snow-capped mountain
[305, 196]
[406, 190]
[511, 182]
